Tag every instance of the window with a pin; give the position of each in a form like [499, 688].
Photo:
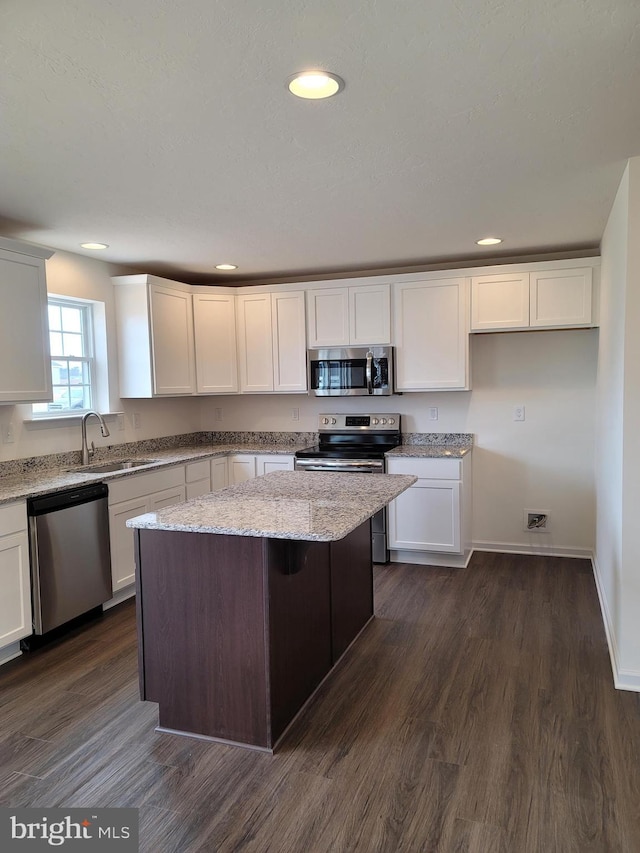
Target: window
[72, 362]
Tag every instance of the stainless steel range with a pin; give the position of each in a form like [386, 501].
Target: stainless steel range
[355, 443]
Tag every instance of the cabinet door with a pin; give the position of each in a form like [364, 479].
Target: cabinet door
[370, 315]
[123, 564]
[328, 317]
[172, 341]
[273, 462]
[431, 335]
[499, 302]
[219, 473]
[255, 345]
[15, 601]
[214, 317]
[241, 467]
[198, 488]
[24, 331]
[289, 342]
[560, 298]
[167, 497]
[427, 517]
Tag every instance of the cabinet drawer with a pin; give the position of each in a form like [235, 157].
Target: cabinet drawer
[427, 469]
[13, 518]
[198, 470]
[139, 485]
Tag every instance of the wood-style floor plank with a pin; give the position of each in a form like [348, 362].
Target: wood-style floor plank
[475, 714]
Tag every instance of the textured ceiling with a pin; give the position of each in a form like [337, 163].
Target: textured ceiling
[165, 129]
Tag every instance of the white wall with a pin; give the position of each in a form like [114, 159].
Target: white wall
[617, 553]
[546, 462]
[75, 275]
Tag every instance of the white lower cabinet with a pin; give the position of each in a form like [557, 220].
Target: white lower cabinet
[219, 473]
[433, 515]
[133, 496]
[15, 600]
[206, 475]
[246, 466]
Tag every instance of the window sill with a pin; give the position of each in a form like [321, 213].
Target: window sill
[55, 420]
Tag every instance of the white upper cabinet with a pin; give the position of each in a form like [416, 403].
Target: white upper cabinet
[24, 331]
[155, 337]
[349, 316]
[271, 342]
[431, 335]
[214, 317]
[500, 301]
[539, 299]
[561, 297]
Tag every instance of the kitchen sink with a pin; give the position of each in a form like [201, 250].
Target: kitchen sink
[106, 467]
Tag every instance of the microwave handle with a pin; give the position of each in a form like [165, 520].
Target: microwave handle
[369, 375]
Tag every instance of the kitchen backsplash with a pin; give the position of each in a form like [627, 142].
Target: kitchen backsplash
[15, 467]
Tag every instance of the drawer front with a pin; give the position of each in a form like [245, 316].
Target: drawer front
[13, 518]
[139, 485]
[198, 470]
[428, 469]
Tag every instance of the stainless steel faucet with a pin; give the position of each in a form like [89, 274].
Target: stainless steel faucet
[87, 453]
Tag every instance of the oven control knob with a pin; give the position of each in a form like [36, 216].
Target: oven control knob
[392, 421]
[334, 421]
[383, 420]
[375, 421]
[325, 421]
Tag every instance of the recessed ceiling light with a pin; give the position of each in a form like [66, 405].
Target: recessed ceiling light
[315, 84]
[94, 245]
[489, 241]
[226, 266]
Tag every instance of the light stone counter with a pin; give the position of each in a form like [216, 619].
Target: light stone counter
[309, 506]
[430, 451]
[29, 484]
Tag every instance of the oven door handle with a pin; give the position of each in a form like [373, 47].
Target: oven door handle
[369, 372]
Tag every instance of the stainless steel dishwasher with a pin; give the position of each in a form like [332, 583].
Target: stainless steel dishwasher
[70, 556]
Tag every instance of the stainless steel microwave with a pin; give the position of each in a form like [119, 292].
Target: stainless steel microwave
[355, 371]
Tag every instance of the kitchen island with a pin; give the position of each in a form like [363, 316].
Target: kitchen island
[248, 596]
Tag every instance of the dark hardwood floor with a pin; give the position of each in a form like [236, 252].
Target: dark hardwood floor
[475, 713]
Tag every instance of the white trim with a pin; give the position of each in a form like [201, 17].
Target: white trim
[54, 420]
[431, 558]
[538, 549]
[120, 596]
[623, 679]
[10, 652]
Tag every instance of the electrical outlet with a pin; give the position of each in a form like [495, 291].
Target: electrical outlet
[217, 414]
[433, 413]
[518, 413]
[137, 421]
[8, 436]
[120, 422]
[536, 520]
[295, 414]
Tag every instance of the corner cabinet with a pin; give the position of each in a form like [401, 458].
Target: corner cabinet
[431, 335]
[349, 316]
[542, 299]
[156, 355]
[271, 342]
[15, 601]
[24, 331]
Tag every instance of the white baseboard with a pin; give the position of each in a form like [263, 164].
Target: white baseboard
[623, 679]
[537, 549]
[120, 596]
[431, 558]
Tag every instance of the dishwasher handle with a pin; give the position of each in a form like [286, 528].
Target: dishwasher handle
[66, 499]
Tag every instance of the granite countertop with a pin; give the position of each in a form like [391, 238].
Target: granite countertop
[431, 451]
[47, 481]
[309, 506]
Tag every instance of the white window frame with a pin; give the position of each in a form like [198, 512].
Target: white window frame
[88, 358]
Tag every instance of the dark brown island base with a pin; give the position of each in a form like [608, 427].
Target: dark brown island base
[237, 629]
